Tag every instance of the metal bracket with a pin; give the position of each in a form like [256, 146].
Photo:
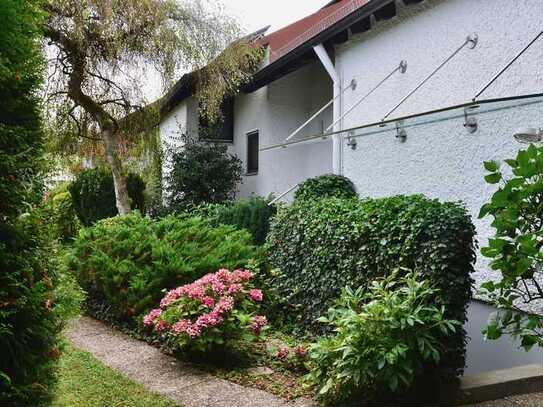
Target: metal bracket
[401, 134]
[351, 141]
[403, 66]
[472, 40]
[353, 84]
[470, 123]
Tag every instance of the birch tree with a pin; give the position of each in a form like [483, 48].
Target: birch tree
[100, 52]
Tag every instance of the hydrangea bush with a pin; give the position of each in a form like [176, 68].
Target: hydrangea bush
[216, 309]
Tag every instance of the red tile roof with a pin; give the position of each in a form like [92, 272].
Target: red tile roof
[286, 39]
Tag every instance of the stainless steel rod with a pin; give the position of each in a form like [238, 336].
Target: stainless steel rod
[364, 98]
[420, 85]
[283, 194]
[322, 109]
[506, 67]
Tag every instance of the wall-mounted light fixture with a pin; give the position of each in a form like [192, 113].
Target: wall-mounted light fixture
[401, 134]
[529, 135]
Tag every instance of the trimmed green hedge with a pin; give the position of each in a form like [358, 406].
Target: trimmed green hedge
[322, 246]
[326, 186]
[93, 194]
[126, 262]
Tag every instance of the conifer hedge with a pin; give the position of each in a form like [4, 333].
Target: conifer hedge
[320, 247]
[29, 325]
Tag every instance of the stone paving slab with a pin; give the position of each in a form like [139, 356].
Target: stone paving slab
[164, 374]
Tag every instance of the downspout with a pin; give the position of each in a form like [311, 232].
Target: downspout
[338, 102]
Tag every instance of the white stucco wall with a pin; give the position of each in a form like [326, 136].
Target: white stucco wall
[276, 111]
[442, 159]
[183, 120]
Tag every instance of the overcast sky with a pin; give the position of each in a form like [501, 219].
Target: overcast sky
[255, 14]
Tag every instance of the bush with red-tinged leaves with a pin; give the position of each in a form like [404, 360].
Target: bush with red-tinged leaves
[213, 311]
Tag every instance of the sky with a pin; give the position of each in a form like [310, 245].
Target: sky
[255, 14]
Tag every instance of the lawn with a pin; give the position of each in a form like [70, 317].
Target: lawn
[84, 381]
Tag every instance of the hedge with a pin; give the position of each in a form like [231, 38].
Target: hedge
[126, 262]
[29, 327]
[322, 246]
[93, 194]
[326, 186]
[253, 214]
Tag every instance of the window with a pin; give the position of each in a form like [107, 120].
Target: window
[223, 129]
[252, 152]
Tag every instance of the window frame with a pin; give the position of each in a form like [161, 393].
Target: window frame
[253, 170]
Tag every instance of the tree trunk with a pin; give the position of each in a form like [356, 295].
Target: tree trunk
[119, 180]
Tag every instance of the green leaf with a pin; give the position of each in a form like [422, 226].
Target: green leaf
[491, 166]
[493, 178]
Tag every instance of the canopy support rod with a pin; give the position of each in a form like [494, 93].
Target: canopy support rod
[402, 68]
[506, 67]
[282, 195]
[352, 85]
[471, 41]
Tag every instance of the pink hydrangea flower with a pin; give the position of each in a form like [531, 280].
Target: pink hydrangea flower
[161, 326]
[208, 301]
[218, 287]
[194, 331]
[258, 323]
[226, 304]
[240, 276]
[151, 317]
[234, 289]
[181, 326]
[170, 297]
[224, 275]
[256, 295]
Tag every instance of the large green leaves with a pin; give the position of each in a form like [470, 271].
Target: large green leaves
[515, 251]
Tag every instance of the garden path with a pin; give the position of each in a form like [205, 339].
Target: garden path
[164, 374]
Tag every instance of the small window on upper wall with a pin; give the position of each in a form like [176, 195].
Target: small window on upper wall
[252, 152]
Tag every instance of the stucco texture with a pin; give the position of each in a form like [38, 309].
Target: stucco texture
[440, 158]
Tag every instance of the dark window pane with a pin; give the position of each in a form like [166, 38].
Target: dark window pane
[223, 128]
[252, 152]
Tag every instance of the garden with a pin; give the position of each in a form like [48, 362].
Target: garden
[334, 297]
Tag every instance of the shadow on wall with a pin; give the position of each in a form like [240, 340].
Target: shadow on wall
[484, 355]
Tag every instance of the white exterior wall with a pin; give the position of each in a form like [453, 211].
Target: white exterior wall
[442, 160]
[276, 111]
[183, 120]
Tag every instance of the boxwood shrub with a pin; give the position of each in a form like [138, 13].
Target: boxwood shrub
[322, 246]
[126, 262]
[326, 186]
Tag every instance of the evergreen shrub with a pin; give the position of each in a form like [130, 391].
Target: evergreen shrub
[326, 186]
[253, 214]
[93, 194]
[320, 247]
[29, 324]
[126, 262]
[60, 213]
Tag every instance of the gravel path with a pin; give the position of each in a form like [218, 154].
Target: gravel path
[164, 374]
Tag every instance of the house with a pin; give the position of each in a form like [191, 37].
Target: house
[400, 78]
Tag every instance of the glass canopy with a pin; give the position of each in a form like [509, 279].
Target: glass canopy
[468, 112]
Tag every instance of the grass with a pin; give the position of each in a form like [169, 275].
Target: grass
[85, 382]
